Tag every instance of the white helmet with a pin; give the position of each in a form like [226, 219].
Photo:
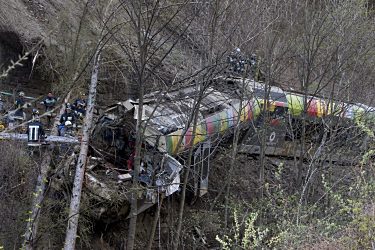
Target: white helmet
[21, 93]
[68, 123]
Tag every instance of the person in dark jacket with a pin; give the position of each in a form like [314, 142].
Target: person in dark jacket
[35, 131]
[79, 110]
[34, 114]
[67, 121]
[20, 101]
[79, 107]
[49, 102]
[68, 115]
[19, 105]
[2, 106]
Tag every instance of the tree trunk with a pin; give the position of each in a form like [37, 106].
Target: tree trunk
[138, 148]
[40, 188]
[137, 163]
[155, 222]
[71, 231]
[234, 153]
[186, 178]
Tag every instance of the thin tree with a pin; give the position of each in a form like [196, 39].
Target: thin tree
[335, 43]
[69, 75]
[40, 188]
[146, 42]
[71, 232]
[202, 87]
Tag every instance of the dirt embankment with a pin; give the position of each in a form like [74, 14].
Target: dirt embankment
[22, 25]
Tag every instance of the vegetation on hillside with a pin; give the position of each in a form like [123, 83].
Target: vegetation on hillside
[319, 48]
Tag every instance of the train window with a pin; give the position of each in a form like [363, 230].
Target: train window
[280, 97]
[273, 95]
[259, 93]
[207, 112]
[178, 121]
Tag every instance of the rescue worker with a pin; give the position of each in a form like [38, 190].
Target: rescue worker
[67, 129]
[79, 106]
[67, 120]
[79, 110]
[68, 115]
[20, 101]
[49, 102]
[10, 118]
[35, 114]
[236, 62]
[19, 105]
[2, 106]
[35, 132]
[19, 115]
[79, 101]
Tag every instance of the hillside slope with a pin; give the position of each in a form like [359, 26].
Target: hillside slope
[323, 49]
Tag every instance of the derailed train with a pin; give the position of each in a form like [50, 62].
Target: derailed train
[227, 103]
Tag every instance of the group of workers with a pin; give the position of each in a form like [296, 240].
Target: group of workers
[236, 61]
[35, 128]
[237, 64]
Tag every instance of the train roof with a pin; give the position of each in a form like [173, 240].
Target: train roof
[168, 112]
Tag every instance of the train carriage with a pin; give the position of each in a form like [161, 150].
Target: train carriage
[166, 117]
[262, 113]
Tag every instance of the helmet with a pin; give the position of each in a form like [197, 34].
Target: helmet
[68, 106]
[68, 123]
[35, 111]
[21, 93]
[238, 50]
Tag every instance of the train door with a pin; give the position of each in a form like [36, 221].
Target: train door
[274, 136]
[270, 124]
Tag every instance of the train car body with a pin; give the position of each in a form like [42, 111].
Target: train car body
[341, 121]
[262, 114]
[169, 125]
